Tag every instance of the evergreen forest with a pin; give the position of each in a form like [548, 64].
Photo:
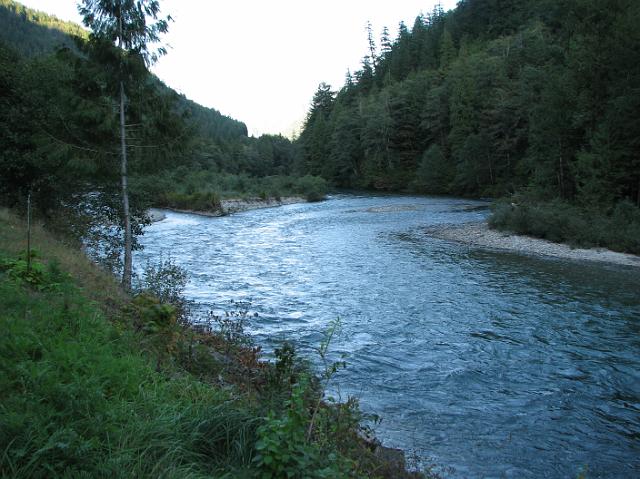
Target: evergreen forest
[60, 136]
[531, 104]
[535, 101]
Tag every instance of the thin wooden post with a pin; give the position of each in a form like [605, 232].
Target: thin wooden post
[29, 232]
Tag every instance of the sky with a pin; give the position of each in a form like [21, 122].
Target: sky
[261, 61]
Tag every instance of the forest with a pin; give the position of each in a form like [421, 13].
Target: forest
[532, 101]
[530, 104]
[61, 138]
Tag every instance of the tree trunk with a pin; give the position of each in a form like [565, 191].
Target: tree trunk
[29, 232]
[126, 273]
[561, 171]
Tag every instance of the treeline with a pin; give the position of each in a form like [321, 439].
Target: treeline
[61, 144]
[493, 98]
[35, 32]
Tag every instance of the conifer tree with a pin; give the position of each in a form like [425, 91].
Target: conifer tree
[133, 27]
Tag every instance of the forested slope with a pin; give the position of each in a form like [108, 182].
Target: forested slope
[61, 138]
[34, 32]
[496, 97]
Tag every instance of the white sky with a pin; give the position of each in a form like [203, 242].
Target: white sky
[261, 61]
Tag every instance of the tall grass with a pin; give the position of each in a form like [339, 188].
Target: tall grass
[137, 394]
[77, 399]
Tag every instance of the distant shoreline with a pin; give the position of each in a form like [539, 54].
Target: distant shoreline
[230, 206]
[479, 234]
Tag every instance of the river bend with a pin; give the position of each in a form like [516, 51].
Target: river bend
[485, 363]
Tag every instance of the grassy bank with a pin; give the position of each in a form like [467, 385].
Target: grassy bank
[617, 228]
[96, 383]
[203, 190]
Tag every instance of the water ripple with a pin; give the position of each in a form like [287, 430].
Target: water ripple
[487, 363]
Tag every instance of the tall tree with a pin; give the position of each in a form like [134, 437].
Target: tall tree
[132, 26]
[372, 46]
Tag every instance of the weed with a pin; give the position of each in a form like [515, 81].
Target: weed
[283, 450]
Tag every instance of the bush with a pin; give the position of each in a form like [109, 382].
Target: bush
[283, 449]
[313, 188]
[198, 201]
[203, 190]
[563, 222]
[35, 274]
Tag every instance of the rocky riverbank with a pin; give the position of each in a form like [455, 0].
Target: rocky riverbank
[479, 234]
[230, 206]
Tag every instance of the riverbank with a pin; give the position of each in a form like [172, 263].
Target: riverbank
[103, 383]
[480, 235]
[230, 206]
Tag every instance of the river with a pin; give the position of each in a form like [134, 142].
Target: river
[484, 363]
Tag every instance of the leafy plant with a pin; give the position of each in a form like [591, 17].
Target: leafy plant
[313, 187]
[231, 325]
[166, 281]
[283, 449]
[330, 368]
[159, 323]
[33, 273]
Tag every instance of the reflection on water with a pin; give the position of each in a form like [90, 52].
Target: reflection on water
[495, 364]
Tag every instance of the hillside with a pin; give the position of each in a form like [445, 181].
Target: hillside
[31, 33]
[61, 137]
[533, 98]
[96, 383]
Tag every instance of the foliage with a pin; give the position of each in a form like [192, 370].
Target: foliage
[33, 273]
[92, 388]
[617, 229]
[313, 187]
[231, 325]
[283, 450]
[166, 280]
[79, 399]
[204, 190]
[35, 32]
[489, 99]
[197, 201]
[329, 369]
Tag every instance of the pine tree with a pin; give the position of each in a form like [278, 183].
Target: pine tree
[133, 26]
[372, 46]
[447, 49]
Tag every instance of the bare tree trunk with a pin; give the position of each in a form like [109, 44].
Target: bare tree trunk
[493, 181]
[29, 232]
[126, 273]
[561, 171]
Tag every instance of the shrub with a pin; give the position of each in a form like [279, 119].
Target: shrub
[560, 221]
[283, 449]
[313, 188]
[31, 272]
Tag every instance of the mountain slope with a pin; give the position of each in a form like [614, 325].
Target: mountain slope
[32, 33]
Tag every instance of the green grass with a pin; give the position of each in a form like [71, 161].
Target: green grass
[78, 398]
[95, 283]
[92, 386]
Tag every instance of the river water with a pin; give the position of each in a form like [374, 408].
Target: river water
[485, 363]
